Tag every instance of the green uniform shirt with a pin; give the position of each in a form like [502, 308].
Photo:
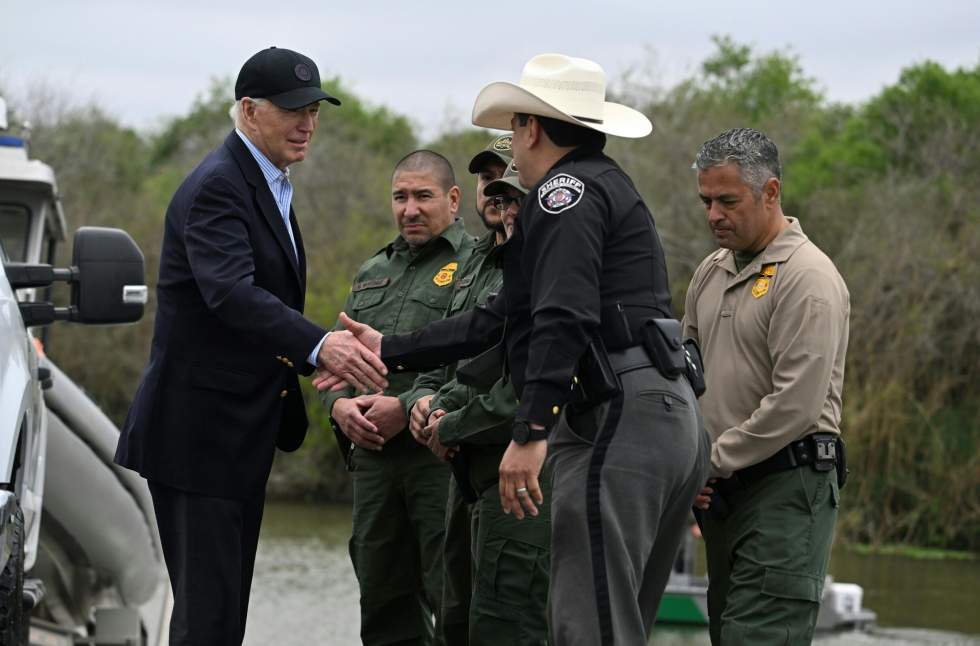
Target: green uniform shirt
[399, 290]
[474, 416]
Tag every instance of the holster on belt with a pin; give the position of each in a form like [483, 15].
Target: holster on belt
[662, 340]
[460, 465]
[672, 356]
[595, 380]
[344, 445]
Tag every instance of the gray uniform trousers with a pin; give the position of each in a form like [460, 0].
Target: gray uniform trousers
[625, 475]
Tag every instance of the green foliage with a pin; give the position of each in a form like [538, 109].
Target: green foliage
[887, 188]
[183, 139]
[755, 87]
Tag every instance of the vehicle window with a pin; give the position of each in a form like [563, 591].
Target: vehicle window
[15, 225]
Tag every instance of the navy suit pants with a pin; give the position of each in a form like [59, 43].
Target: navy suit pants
[209, 545]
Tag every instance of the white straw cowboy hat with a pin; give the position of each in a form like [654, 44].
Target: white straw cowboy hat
[561, 87]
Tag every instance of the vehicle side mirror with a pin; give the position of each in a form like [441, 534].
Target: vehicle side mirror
[109, 286]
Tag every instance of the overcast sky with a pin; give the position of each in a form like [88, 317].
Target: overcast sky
[145, 61]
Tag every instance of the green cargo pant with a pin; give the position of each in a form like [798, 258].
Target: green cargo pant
[396, 546]
[768, 557]
[452, 625]
[513, 557]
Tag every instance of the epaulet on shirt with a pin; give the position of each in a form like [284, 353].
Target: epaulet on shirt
[560, 193]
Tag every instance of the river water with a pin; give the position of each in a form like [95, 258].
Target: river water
[304, 592]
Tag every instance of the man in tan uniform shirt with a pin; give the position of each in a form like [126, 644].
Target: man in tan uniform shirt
[770, 311]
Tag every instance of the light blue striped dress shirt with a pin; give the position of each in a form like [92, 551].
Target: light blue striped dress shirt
[282, 193]
[282, 190]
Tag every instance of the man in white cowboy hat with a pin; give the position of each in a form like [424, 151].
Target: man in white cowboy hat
[593, 352]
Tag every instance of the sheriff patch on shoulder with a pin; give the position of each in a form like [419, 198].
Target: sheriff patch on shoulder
[560, 192]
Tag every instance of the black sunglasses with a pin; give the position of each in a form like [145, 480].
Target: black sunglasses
[503, 202]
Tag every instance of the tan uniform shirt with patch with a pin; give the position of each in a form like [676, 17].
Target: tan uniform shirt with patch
[774, 338]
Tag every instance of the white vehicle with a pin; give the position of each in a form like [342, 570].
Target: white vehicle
[80, 559]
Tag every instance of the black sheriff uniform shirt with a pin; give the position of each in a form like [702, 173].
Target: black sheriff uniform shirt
[584, 243]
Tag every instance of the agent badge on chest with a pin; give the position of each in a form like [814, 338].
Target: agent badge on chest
[445, 275]
[761, 286]
[561, 192]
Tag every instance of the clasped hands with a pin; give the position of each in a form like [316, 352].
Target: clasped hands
[352, 356]
[424, 425]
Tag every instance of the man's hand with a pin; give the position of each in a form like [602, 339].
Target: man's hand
[387, 415]
[519, 470]
[703, 499]
[353, 357]
[418, 418]
[432, 432]
[367, 335]
[326, 380]
[349, 415]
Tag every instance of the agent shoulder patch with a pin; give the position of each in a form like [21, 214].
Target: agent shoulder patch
[560, 193]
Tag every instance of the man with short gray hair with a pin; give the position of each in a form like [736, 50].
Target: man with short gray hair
[770, 311]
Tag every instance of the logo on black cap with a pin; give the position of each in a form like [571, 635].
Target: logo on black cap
[302, 72]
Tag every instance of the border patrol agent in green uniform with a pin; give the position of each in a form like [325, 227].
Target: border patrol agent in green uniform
[771, 313]
[452, 624]
[399, 486]
[512, 557]
[585, 305]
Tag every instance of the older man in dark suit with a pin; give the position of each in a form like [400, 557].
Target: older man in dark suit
[221, 390]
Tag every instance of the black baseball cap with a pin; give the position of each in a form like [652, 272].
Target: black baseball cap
[497, 150]
[287, 78]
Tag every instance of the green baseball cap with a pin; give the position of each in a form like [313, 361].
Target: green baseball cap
[497, 150]
[499, 186]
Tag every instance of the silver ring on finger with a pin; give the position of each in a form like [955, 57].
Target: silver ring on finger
[521, 490]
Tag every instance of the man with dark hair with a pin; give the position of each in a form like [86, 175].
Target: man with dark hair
[427, 162]
[220, 392]
[400, 488]
[594, 356]
[479, 277]
[472, 422]
[771, 313]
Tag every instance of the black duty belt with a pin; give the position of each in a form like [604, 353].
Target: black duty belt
[628, 359]
[819, 450]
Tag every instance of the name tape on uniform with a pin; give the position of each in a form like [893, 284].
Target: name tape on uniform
[560, 193]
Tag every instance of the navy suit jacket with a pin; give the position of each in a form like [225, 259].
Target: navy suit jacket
[221, 390]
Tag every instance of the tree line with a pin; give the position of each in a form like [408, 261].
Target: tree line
[887, 188]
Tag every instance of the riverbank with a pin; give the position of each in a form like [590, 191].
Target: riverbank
[304, 585]
[910, 551]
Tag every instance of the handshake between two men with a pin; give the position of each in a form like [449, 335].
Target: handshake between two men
[351, 357]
